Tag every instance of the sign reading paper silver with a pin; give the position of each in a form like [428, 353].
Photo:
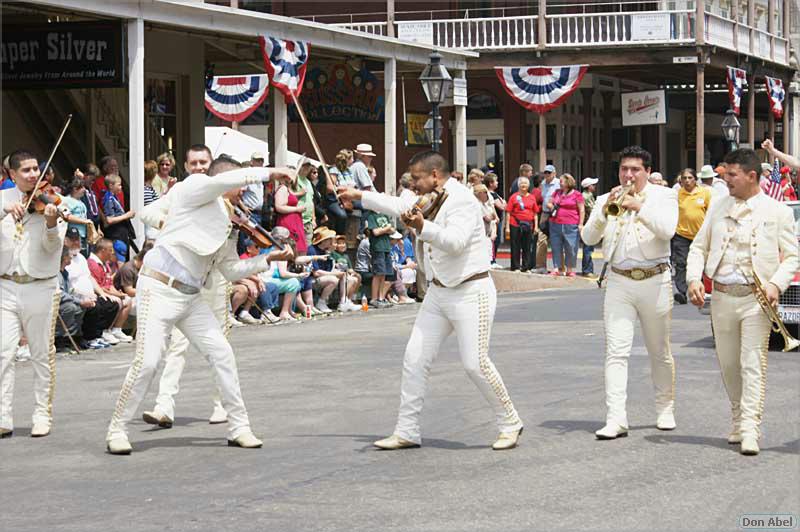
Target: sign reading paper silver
[644, 108]
[650, 27]
[421, 32]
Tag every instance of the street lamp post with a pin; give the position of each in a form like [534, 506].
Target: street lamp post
[730, 129]
[436, 83]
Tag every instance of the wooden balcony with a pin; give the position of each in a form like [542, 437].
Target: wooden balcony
[586, 30]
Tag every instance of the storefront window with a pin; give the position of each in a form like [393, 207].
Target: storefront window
[161, 126]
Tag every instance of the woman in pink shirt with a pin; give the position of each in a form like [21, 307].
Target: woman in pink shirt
[566, 224]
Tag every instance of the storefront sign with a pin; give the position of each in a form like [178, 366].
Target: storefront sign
[421, 32]
[651, 27]
[644, 108]
[73, 55]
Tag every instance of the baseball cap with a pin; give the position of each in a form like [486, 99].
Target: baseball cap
[550, 168]
[73, 233]
[121, 249]
[257, 155]
[395, 236]
[766, 166]
[589, 181]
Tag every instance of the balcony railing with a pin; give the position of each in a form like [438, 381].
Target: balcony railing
[583, 30]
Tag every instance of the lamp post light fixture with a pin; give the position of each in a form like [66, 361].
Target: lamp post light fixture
[436, 83]
[730, 129]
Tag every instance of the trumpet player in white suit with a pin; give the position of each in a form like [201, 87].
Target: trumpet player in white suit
[462, 298]
[30, 259]
[636, 222]
[195, 240]
[745, 234]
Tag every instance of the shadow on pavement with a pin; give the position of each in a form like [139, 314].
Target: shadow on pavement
[564, 426]
[188, 441]
[721, 443]
[369, 439]
[708, 342]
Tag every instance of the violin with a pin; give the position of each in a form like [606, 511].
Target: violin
[260, 236]
[429, 204]
[40, 197]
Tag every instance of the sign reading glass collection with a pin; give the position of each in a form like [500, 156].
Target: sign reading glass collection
[72, 55]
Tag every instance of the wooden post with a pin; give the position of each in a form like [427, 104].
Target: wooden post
[771, 27]
[751, 110]
[700, 22]
[699, 157]
[542, 142]
[542, 24]
[771, 125]
[751, 21]
[390, 18]
[280, 129]
[235, 125]
[91, 117]
[587, 94]
[735, 17]
[390, 126]
[136, 112]
[787, 103]
[460, 133]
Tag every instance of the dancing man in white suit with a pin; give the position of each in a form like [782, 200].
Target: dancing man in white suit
[636, 244]
[746, 233]
[195, 240]
[462, 297]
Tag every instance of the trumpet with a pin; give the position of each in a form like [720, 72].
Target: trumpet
[777, 324]
[613, 207]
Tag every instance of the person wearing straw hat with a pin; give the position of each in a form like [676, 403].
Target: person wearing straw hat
[326, 275]
[709, 178]
[359, 168]
[462, 298]
[745, 234]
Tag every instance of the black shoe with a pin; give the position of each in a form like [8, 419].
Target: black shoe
[680, 298]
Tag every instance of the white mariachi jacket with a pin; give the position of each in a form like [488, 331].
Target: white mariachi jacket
[653, 226]
[773, 235]
[454, 244]
[194, 216]
[40, 253]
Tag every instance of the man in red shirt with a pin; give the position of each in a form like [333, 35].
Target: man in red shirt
[101, 272]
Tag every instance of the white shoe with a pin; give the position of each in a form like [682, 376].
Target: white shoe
[348, 306]
[749, 445]
[219, 415]
[39, 430]
[109, 338]
[234, 322]
[23, 353]
[735, 436]
[247, 318]
[246, 441]
[269, 317]
[611, 431]
[121, 336]
[323, 307]
[666, 421]
[119, 445]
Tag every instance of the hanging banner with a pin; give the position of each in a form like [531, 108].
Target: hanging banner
[777, 95]
[337, 93]
[644, 108]
[737, 81]
[541, 88]
[234, 98]
[286, 63]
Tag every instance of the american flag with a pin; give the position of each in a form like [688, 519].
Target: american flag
[773, 188]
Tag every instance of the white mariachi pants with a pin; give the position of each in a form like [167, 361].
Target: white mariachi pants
[160, 309]
[216, 298]
[469, 311]
[741, 334]
[29, 310]
[651, 301]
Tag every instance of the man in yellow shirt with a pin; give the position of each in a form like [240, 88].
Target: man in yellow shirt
[693, 203]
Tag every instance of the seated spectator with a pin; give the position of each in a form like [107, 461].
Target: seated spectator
[78, 215]
[118, 226]
[342, 263]
[400, 267]
[288, 282]
[98, 266]
[125, 280]
[71, 310]
[327, 276]
[104, 310]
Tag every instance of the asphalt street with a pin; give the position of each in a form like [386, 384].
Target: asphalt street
[319, 393]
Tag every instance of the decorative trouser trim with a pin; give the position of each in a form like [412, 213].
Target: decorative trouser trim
[51, 354]
[741, 334]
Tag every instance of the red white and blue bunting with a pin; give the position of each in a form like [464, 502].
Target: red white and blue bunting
[777, 95]
[541, 88]
[286, 63]
[737, 81]
[234, 98]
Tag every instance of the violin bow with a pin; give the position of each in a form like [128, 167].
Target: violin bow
[50, 159]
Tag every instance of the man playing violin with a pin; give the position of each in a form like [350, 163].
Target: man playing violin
[30, 260]
[195, 240]
[454, 253]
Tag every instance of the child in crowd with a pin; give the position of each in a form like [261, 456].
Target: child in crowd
[342, 263]
[404, 273]
[379, 227]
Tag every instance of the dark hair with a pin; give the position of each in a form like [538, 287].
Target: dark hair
[637, 152]
[16, 158]
[199, 147]
[104, 161]
[430, 161]
[689, 171]
[536, 180]
[90, 169]
[746, 159]
[104, 243]
[223, 163]
[69, 186]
